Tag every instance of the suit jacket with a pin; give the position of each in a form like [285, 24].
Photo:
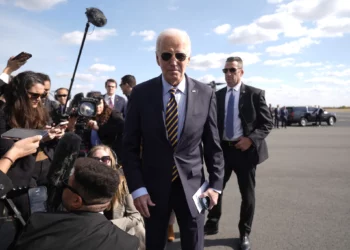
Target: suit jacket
[284, 114]
[199, 138]
[119, 104]
[80, 230]
[255, 117]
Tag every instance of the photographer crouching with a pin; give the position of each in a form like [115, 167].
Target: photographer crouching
[106, 127]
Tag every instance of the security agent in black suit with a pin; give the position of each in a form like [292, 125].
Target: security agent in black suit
[87, 193]
[244, 121]
[173, 118]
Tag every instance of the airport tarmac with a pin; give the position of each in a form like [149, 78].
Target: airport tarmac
[302, 193]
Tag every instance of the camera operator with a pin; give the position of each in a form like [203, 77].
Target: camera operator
[106, 128]
[87, 193]
[23, 109]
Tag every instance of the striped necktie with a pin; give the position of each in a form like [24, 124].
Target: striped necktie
[171, 121]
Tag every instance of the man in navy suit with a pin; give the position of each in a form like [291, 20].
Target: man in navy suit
[173, 118]
[113, 100]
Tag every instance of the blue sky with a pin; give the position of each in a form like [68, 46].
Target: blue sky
[296, 50]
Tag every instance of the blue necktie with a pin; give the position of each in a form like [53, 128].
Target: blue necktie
[229, 115]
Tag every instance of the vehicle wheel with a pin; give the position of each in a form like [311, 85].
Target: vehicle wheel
[330, 121]
[303, 122]
[289, 124]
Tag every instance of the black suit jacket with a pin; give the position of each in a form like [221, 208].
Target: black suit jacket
[80, 230]
[145, 123]
[119, 104]
[255, 117]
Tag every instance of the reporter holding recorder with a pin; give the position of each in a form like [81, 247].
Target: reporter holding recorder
[23, 109]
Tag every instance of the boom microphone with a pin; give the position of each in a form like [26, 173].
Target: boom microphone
[63, 160]
[96, 17]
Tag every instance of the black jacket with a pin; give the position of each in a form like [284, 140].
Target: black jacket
[80, 230]
[110, 133]
[254, 114]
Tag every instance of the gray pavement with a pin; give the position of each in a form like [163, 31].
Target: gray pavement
[302, 193]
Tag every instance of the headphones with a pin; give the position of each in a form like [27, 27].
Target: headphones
[55, 94]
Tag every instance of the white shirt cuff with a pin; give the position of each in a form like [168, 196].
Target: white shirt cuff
[139, 192]
[5, 77]
[219, 192]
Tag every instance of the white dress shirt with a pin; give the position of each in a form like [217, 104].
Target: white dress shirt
[237, 124]
[107, 98]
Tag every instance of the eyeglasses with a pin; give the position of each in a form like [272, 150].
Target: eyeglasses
[36, 95]
[232, 70]
[59, 96]
[73, 190]
[179, 56]
[104, 159]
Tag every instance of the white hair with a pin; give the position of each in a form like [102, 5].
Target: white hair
[175, 32]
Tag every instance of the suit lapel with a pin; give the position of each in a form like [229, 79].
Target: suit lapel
[191, 93]
[241, 96]
[159, 106]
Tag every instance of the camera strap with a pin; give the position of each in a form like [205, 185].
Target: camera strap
[17, 213]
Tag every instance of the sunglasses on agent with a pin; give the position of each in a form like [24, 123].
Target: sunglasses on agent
[232, 70]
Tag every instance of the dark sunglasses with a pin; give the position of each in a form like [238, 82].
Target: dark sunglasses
[232, 70]
[36, 95]
[179, 56]
[61, 96]
[73, 190]
[104, 159]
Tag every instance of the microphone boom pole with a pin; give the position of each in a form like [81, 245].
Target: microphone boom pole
[77, 63]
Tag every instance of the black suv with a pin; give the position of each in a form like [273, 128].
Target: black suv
[304, 114]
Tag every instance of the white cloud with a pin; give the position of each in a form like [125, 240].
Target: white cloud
[252, 34]
[260, 79]
[37, 5]
[300, 75]
[84, 87]
[148, 35]
[76, 37]
[308, 64]
[209, 78]
[96, 59]
[285, 62]
[274, 1]
[98, 67]
[294, 47]
[217, 60]
[328, 80]
[334, 25]
[283, 23]
[309, 10]
[311, 95]
[222, 29]
[343, 73]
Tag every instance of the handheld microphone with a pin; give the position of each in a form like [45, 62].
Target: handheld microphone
[96, 17]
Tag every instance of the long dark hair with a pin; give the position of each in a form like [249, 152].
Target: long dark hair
[18, 107]
[107, 111]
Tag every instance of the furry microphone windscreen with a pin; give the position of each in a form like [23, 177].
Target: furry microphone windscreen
[96, 17]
